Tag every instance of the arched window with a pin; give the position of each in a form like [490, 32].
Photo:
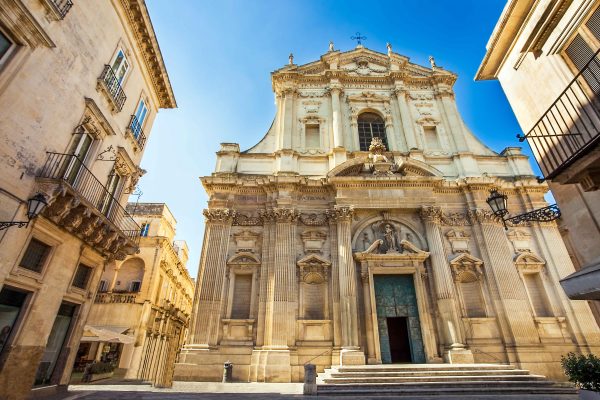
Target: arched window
[370, 125]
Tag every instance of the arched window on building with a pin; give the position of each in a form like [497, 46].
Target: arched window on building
[370, 125]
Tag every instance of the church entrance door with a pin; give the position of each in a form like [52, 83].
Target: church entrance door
[399, 341]
[398, 322]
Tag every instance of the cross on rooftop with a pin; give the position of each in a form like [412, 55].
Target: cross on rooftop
[358, 37]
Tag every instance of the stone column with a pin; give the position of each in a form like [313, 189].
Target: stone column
[508, 291]
[407, 122]
[335, 290]
[455, 351]
[206, 324]
[364, 275]
[351, 352]
[266, 266]
[287, 119]
[336, 111]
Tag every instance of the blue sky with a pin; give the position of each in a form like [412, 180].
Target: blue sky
[219, 55]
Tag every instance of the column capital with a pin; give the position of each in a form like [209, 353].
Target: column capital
[483, 217]
[431, 214]
[341, 213]
[281, 214]
[219, 215]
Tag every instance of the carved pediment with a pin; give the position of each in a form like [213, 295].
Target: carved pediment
[313, 260]
[313, 269]
[407, 251]
[466, 267]
[244, 258]
[363, 166]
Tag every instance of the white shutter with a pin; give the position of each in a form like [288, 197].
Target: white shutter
[536, 294]
[242, 296]
[474, 305]
[579, 52]
[314, 300]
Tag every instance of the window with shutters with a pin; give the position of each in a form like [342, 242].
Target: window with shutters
[472, 298]
[537, 294]
[242, 297]
[582, 48]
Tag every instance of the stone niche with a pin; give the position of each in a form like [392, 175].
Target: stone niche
[385, 237]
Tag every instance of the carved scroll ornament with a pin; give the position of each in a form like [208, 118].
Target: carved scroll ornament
[217, 215]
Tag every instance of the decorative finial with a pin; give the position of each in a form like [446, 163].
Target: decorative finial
[359, 38]
[389, 48]
[291, 58]
[331, 46]
[432, 62]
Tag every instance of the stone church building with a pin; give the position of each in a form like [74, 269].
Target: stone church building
[356, 232]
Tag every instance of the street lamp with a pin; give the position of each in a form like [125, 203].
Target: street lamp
[498, 202]
[35, 205]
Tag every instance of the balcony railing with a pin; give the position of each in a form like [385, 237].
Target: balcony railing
[110, 83]
[61, 7]
[70, 170]
[135, 128]
[123, 298]
[570, 128]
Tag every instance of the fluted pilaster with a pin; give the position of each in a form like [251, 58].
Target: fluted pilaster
[407, 121]
[442, 277]
[503, 278]
[211, 276]
[336, 109]
[347, 277]
[282, 296]
[266, 272]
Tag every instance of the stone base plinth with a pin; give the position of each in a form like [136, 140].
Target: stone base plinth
[206, 365]
[271, 366]
[459, 356]
[352, 357]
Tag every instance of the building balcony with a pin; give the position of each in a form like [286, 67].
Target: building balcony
[565, 139]
[134, 129]
[58, 9]
[78, 202]
[111, 86]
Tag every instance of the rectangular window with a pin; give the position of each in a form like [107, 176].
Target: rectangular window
[103, 286]
[11, 303]
[582, 48]
[56, 342]
[80, 148]
[35, 256]
[312, 136]
[112, 188]
[135, 286]
[535, 289]
[242, 292]
[431, 137]
[314, 300]
[474, 305]
[5, 45]
[82, 276]
[144, 230]
[120, 66]
[139, 117]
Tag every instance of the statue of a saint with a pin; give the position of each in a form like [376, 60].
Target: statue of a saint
[331, 45]
[390, 241]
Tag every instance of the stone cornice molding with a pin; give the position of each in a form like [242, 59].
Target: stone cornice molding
[341, 213]
[140, 22]
[483, 217]
[219, 215]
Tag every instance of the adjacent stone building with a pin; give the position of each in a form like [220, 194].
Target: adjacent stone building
[140, 316]
[80, 85]
[545, 55]
[357, 232]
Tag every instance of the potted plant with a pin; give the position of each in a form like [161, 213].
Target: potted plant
[584, 371]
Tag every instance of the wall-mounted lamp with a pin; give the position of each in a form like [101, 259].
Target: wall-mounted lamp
[498, 202]
[35, 205]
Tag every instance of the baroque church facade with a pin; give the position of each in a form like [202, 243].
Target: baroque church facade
[356, 232]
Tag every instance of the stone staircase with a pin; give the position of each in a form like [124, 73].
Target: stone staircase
[444, 381]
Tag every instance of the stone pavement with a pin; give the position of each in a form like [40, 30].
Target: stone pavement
[227, 391]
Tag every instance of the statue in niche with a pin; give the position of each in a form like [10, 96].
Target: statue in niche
[390, 244]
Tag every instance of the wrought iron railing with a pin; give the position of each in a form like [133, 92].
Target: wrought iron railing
[137, 131]
[62, 7]
[69, 169]
[107, 298]
[571, 126]
[113, 87]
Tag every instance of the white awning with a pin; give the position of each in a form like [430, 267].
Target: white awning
[110, 334]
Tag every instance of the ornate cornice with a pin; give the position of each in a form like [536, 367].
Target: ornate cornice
[140, 22]
[341, 213]
[222, 215]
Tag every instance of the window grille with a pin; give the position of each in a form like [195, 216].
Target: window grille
[35, 256]
[370, 125]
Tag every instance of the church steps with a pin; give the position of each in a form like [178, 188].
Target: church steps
[438, 380]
